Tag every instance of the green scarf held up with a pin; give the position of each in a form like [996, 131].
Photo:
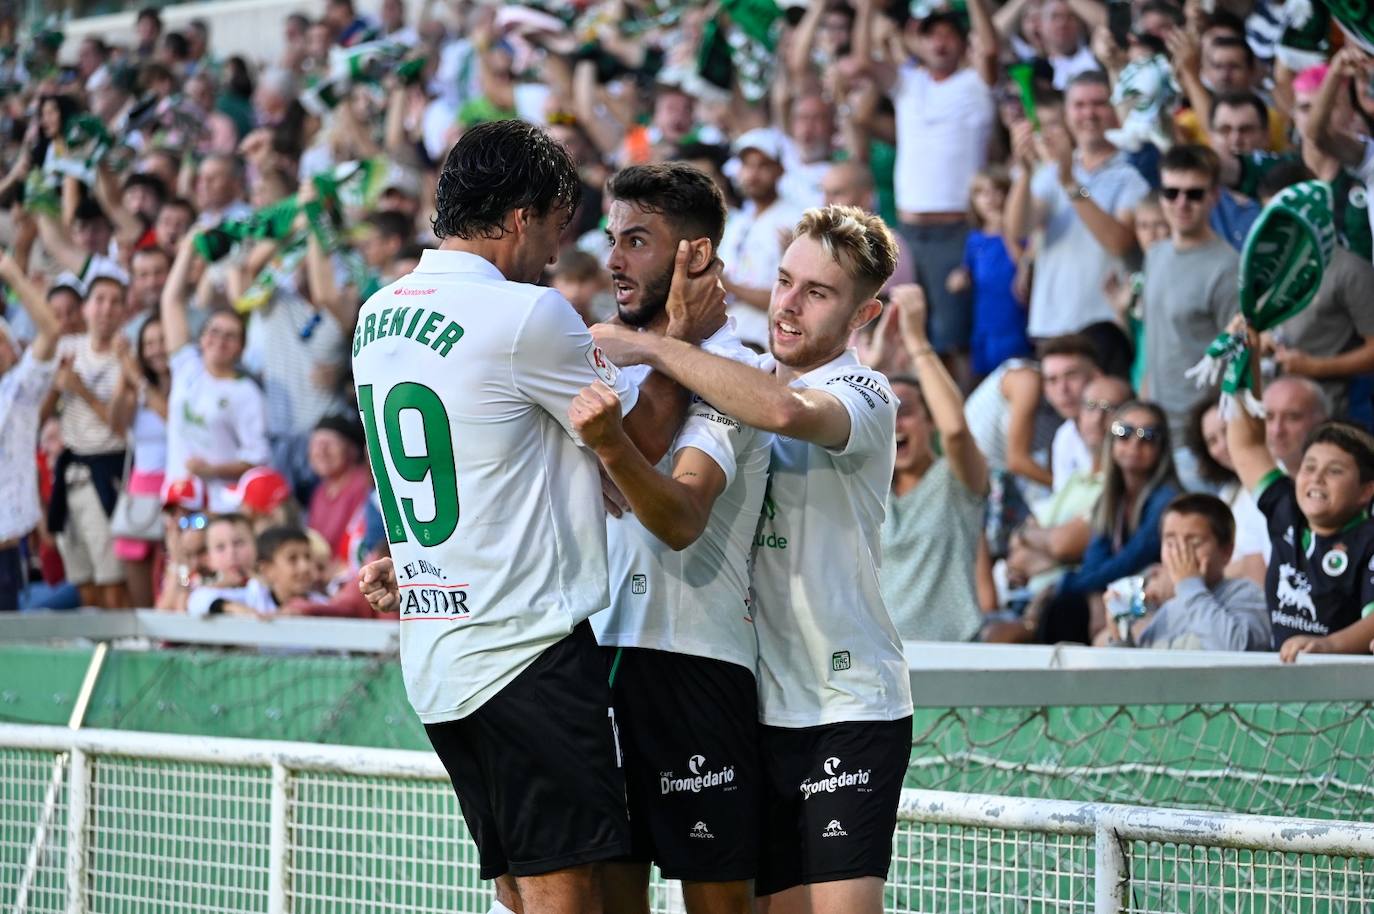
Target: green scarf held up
[349, 185]
[1281, 267]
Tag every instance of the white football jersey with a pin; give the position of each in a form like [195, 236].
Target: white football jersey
[828, 651]
[695, 601]
[492, 508]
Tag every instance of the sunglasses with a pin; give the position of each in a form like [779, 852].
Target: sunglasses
[1101, 406]
[1194, 194]
[192, 522]
[1145, 433]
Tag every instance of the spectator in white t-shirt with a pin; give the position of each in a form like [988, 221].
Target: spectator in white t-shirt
[216, 416]
[86, 479]
[945, 114]
[756, 234]
[1073, 184]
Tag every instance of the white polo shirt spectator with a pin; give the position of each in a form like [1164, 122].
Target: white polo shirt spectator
[828, 651]
[479, 372]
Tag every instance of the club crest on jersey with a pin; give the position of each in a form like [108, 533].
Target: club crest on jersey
[602, 365]
[1335, 562]
[1294, 591]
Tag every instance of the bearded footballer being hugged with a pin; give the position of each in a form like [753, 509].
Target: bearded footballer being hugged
[679, 632]
[834, 690]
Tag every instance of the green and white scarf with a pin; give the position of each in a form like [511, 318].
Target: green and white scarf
[349, 185]
[1281, 267]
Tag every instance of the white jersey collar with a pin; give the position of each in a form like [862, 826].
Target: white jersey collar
[843, 360]
[436, 261]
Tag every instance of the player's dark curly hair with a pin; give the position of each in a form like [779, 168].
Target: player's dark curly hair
[499, 167]
[684, 193]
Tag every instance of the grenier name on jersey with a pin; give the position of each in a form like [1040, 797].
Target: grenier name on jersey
[421, 325]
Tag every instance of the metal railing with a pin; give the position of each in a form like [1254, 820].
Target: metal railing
[151, 822]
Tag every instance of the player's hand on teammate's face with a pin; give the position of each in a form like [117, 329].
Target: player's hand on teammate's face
[696, 303]
[377, 581]
[620, 344]
[595, 415]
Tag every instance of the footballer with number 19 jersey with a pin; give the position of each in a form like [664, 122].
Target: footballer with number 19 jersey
[497, 532]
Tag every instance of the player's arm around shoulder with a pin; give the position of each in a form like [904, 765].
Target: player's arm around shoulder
[754, 397]
[675, 509]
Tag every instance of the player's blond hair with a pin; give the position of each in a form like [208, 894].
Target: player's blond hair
[858, 241]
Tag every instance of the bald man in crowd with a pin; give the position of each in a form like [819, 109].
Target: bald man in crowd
[1293, 406]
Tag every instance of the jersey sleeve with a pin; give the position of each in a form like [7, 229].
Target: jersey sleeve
[554, 357]
[1277, 499]
[715, 434]
[872, 409]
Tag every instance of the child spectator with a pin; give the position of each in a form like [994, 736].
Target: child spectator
[284, 580]
[989, 268]
[1208, 611]
[1319, 587]
[230, 555]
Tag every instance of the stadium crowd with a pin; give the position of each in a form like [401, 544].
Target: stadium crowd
[188, 239]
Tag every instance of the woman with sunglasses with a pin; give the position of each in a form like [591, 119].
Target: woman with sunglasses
[1138, 484]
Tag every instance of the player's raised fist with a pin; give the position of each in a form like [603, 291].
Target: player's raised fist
[595, 415]
[377, 581]
[696, 300]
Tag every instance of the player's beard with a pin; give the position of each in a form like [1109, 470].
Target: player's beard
[653, 299]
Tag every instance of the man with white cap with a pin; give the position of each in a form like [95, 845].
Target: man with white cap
[24, 380]
[756, 234]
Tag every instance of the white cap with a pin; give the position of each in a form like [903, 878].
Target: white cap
[68, 280]
[765, 139]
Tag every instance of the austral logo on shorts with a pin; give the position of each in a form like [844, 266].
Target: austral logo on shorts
[702, 778]
[835, 779]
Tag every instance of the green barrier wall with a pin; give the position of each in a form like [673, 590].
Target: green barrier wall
[1304, 759]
